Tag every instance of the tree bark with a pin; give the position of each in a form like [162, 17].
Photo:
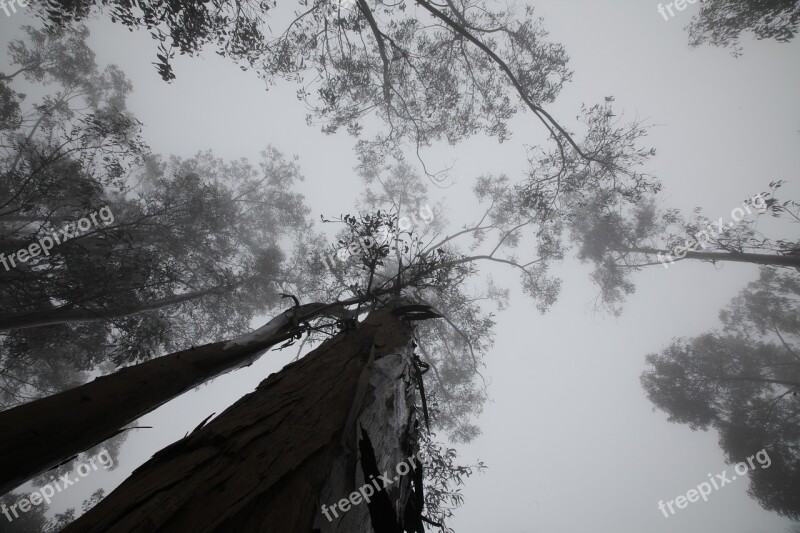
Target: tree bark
[757, 259]
[47, 432]
[74, 316]
[308, 436]
[759, 379]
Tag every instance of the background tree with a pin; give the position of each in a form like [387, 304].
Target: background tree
[611, 215]
[722, 22]
[429, 72]
[81, 125]
[608, 183]
[32, 521]
[743, 381]
[133, 286]
[388, 60]
[403, 264]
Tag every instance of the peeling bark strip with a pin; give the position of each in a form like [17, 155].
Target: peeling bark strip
[47, 432]
[386, 425]
[264, 463]
[381, 511]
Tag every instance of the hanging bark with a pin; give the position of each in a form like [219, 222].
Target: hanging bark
[305, 437]
[47, 432]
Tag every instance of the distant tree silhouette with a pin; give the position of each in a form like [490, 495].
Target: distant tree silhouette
[744, 382]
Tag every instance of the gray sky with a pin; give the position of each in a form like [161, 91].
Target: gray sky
[571, 441]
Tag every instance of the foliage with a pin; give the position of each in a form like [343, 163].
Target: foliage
[190, 254]
[442, 478]
[33, 520]
[722, 22]
[429, 72]
[609, 210]
[599, 200]
[743, 381]
[414, 260]
[739, 237]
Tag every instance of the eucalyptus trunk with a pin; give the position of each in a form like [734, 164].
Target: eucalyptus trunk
[309, 436]
[50, 431]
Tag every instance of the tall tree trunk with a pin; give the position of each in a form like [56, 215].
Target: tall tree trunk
[308, 436]
[62, 315]
[46, 432]
[757, 259]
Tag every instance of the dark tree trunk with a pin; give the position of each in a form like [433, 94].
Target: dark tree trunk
[47, 432]
[302, 439]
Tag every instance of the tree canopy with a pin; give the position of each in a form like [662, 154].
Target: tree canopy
[427, 72]
[184, 250]
[722, 22]
[743, 381]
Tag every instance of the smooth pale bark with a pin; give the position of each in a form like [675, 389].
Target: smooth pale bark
[44, 433]
[299, 441]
